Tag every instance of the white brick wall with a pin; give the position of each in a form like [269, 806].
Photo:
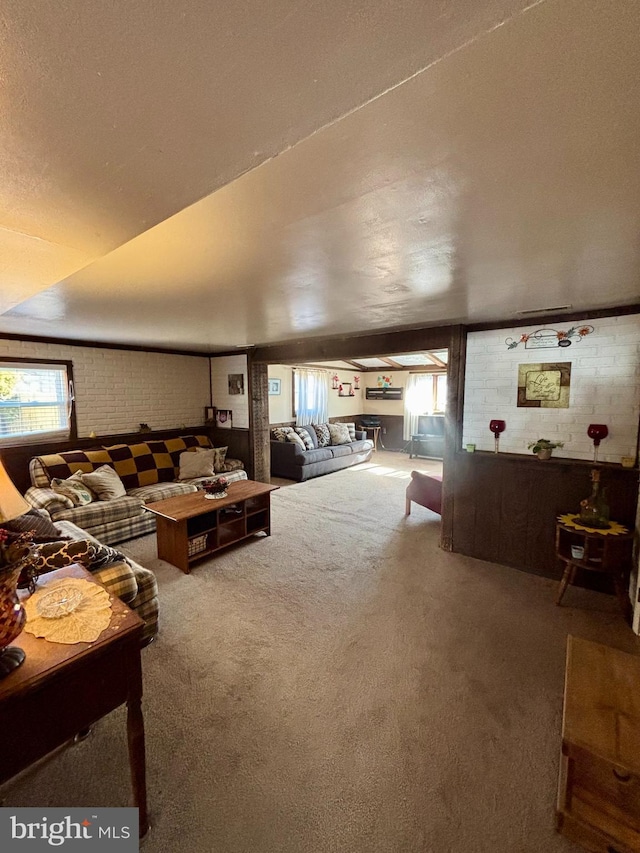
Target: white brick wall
[221, 367]
[116, 390]
[605, 388]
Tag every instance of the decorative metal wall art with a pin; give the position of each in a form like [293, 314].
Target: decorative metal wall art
[546, 338]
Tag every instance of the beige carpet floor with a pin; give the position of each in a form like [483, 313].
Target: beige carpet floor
[343, 686]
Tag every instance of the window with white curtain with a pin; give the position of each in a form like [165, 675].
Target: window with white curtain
[311, 396]
[36, 400]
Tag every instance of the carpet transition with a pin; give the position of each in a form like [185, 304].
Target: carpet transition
[343, 686]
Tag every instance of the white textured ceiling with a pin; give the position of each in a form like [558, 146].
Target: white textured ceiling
[205, 175]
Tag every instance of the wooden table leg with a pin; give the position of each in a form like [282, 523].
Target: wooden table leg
[137, 761]
[567, 577]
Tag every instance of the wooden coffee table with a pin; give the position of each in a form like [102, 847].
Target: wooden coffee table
[190, 527]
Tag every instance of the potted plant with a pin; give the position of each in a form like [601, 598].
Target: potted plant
[542, 447]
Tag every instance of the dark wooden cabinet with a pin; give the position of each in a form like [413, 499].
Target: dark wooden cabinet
[505, 506]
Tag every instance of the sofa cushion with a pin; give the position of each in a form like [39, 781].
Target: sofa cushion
[339, 434]
[232, 465]
[322, 434]
[36, 520]
[196, 464]
[340, 450]
[294, 438]
[160, 491]
[73, 488]
[352, 430]
[105, 482]
[280, 433]
[92, 555]
[321, 454]
[305, 434]
[100, 512]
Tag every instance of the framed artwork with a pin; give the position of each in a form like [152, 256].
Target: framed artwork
[236, 383]
[209, 415]
[544, 386]
[345, 390]
[224, 418]
[275, 386]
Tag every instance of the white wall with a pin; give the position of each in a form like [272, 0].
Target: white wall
[399, 379]
[281, 405]
[605, 388]
[116, 390]
[221, 367]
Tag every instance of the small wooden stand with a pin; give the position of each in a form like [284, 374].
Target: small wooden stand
[603, 552]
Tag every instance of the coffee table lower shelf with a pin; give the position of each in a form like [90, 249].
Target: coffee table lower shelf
[189, 528]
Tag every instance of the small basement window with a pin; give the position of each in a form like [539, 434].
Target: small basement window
[36, 401]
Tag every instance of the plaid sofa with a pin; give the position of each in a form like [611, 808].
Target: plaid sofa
[148, 470]
[129, 581]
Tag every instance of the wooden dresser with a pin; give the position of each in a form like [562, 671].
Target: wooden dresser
[599, 787]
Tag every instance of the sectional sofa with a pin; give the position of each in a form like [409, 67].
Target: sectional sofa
[148, 470]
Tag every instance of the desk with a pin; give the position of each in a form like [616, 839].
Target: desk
[62, 689]
[376, 433]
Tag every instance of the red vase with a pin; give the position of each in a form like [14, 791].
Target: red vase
[12, 618]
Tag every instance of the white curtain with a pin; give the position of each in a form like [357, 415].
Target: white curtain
[418, 400]
[311, 396]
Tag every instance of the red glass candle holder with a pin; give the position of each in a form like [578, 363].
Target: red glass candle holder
[496, 427]
[597, 432]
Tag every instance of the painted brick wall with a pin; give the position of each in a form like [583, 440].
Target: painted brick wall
[605, 388]
[221, 367]
[116, 390]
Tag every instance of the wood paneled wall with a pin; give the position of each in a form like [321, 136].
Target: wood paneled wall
[505, 505]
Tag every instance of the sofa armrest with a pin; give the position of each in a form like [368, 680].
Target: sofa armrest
[286, 458]
[47, 499]
[361, 434]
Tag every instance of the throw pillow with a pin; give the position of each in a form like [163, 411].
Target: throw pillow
[339, 434]
[36, 520]
[92, 555]
[105, 483]
[280, 433]
[294, 438]
[352, 431]
[73, 488]
[193, 465]
[306, 438]
[323, 434]
[219, 456]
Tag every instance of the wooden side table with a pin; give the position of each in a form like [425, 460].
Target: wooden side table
[602, 552]
[376, 435]
[62, 689]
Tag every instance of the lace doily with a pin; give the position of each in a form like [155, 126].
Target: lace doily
[84, 624]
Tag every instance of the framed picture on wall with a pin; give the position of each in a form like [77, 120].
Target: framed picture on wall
[544, 386]
[224, 418]
[275, 386]
[236, 383]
